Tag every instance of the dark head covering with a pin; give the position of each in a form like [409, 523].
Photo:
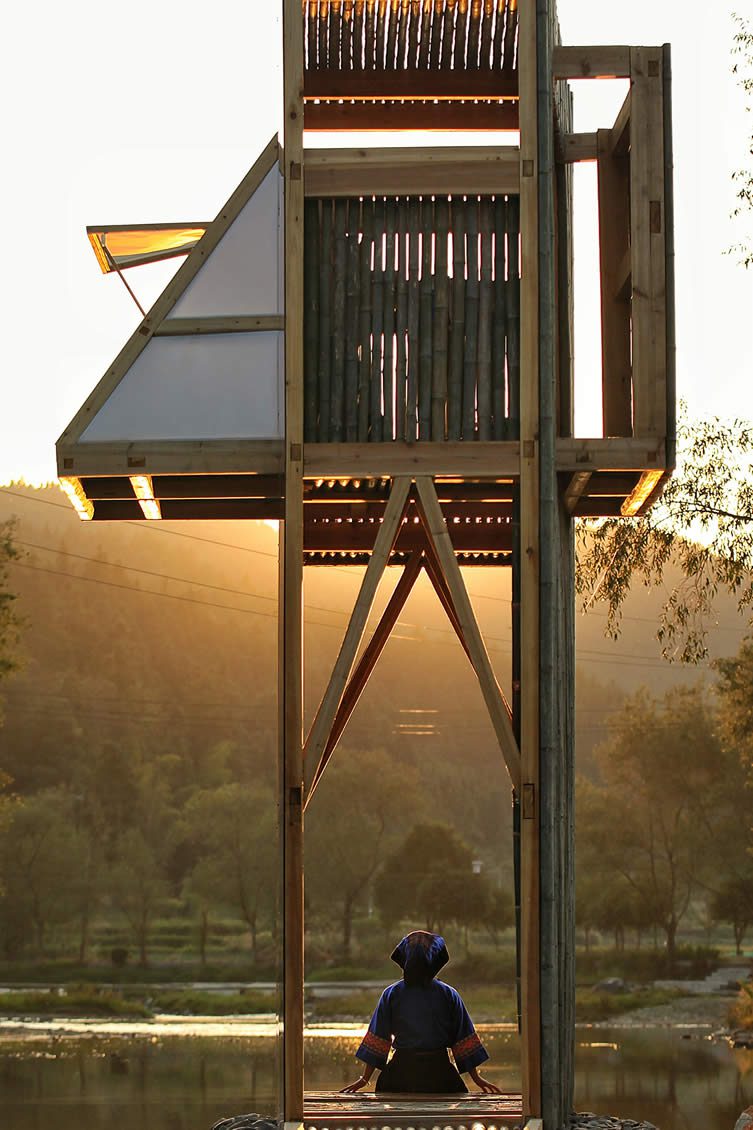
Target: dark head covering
[420, 955]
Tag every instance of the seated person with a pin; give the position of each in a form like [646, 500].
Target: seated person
[421, 1018]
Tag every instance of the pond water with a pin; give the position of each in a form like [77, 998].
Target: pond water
[185, 1075]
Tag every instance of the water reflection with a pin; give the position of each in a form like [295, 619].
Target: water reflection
[159, 1081]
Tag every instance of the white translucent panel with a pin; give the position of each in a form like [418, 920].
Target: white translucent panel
[218, 386]
[243, 275]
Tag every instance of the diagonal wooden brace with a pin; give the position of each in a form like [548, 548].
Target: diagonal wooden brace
[385, 539]
[368, 661]
[499, 712]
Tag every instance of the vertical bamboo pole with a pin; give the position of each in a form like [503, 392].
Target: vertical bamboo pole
[352, 290]
[470, 367]
[291, 574]
[380, 36]
[486, 36]
[415, 24]
[402, 40]
[323, 28]
[529, 569]
[457, 333]
[377, 316]
[447, 34]
[364, 319]
[485, 324]
[389, 321]
[325, 320]
[425, 328]
[499, 26]
[401, 319]
[423, 50]
[335, 26]
[337, 389]
[473, 35]
[369, 36]
[511, 28]
[358, 16]
[347, 36]
[512, 295]
[312, 53]
[414, 305]
[441, 312]
[500, 316]
[311, 319]
[436, 35]
[461, 30]
[392, 35]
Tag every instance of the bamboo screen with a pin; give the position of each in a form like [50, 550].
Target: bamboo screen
[412, 327]
[398, 35]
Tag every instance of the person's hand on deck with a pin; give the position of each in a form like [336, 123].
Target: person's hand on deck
[359, 1083]
[484, 1084]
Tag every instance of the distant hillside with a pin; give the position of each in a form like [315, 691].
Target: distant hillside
[166, 633]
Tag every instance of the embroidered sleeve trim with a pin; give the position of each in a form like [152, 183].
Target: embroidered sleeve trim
[376, 1045]
[464, 1048]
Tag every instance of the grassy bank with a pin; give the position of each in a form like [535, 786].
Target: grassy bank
[487, 1004]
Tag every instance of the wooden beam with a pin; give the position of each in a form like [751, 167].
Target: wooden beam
[291, 575]
[385, 539]
[614, 220]
[367, 662]
[364, 460]
[647, 242]
[626, 454]
[366, 116]
[574, 147]
[621, 128]
[408, 85]
[399, 172]
[591, 62]
[575, 489]
[434, 572]
[499, 711]
[251, 323]
[172, 457]
[530, 943]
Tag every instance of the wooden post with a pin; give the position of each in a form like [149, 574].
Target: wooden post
[614, 207]
[647, 237]
[291, 575]
[529, 568]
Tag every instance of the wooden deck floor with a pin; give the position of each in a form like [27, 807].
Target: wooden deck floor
[324, 1109]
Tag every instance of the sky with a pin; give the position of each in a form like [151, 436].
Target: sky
[153, 112]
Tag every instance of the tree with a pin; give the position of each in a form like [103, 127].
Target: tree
[650, 820]
[702, 526]
[42, 868]
[10, 621]
[235, 830]
[431, 877]
[361, 806]
[733, 903]
[138, 886]
[743, 178]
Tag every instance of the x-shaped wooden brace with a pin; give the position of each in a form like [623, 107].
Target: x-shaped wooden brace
[437, 558]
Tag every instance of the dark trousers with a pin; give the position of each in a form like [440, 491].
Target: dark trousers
[421, 1073]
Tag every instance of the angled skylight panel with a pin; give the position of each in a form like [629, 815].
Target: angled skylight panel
[118, 246]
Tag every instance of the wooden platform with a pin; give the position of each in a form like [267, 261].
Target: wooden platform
[366, 1111]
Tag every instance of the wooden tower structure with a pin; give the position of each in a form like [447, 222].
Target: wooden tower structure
[374, 346]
